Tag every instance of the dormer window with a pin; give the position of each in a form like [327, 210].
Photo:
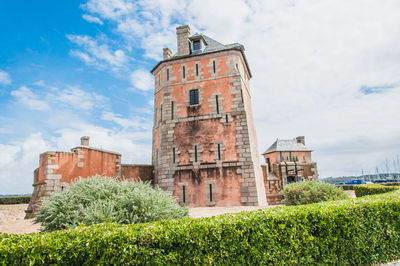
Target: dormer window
[197, 45]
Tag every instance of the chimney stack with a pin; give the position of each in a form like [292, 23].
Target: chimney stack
[85, 141]
[183, 33]
[301, 139]
[166, 53]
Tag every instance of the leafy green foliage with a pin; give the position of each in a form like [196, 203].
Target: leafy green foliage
[15, 200]
[372, 189]
[105, 200]
[307, 192]
[361, 231]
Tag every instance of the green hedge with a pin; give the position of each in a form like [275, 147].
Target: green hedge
[347, 187]
[372, 189]
[15, 200]
[360, 231]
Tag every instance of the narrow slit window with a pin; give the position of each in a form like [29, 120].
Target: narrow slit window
[172, 110]
[159, 80]
[195, 153]
[194, 97]
[216, 101]
[167, 74]
[173, 155]
[219, 151]
[214, 66]
[161, 113]
[197, 69]
[184, 194]
[241, 94]
[211, 192]
[269, 185]
[183, 72]
[226, 119]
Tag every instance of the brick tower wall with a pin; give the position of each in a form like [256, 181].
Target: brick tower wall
[236, 179]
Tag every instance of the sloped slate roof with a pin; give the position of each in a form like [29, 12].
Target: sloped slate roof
[286, 145]
[211, 47]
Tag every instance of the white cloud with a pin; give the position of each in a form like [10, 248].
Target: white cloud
[138, 123]
[92, 19]
[18, 160]
[110, 9]
[5, 78]
[77, 98]
[98, 55]
[39, 83]
[141, 79]
[30, 100]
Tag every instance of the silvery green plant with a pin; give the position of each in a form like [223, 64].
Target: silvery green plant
[105, 200]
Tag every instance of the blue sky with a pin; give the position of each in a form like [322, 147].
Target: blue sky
[321, 69]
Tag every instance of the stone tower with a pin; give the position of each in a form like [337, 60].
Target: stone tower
[204, 141]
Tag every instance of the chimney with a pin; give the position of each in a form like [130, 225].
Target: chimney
[166, 53]
[85, 141]
[301, 139]
[183, 33]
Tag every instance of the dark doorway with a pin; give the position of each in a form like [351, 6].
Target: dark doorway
[291, 179]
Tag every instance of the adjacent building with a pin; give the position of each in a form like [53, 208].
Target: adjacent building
[287, 161]
[57, 170]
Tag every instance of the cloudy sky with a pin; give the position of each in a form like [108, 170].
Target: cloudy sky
[325, 69]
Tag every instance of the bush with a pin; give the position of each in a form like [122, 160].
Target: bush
[372, 189]
[362, 231]
[15, 200]
[311, 192]
[100, 200]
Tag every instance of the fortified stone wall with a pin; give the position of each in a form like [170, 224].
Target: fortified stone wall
[205, 151]
[57, 170]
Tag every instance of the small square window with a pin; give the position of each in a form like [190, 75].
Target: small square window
[194, 97]
[196, 45]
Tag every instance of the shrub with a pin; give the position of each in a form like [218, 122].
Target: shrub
[372, 189]
[311, 192]
[362, 231]
[15, 200]
[100, 199]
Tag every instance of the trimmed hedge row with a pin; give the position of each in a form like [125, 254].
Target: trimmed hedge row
[372, 189]
[353, 232]
[347, 187]
[15, 200]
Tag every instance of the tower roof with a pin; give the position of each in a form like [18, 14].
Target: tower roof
[211, 46]
[286, 145]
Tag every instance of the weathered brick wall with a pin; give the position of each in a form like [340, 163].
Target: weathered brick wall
[58, 170]
[136, 172]
[180, 127]
[223, 183]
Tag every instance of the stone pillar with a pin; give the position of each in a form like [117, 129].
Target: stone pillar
[166, 53]
[182, 34]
